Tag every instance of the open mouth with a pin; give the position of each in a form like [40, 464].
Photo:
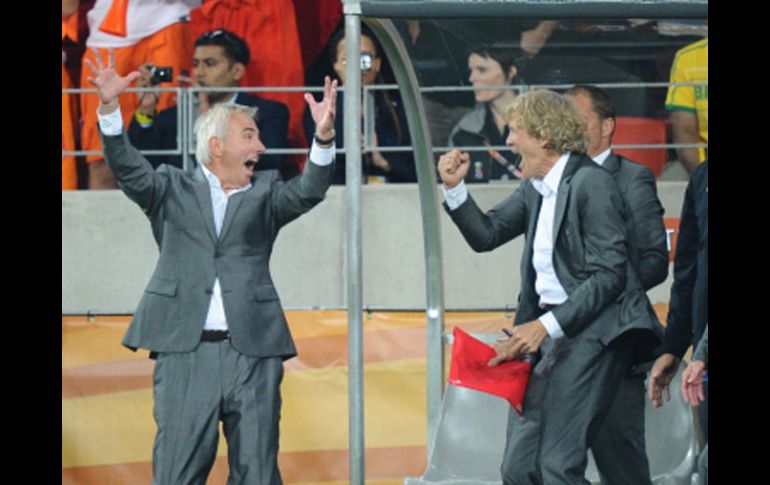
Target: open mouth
[249, 165]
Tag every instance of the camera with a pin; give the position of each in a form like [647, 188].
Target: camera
[367, 61]
[160, 74]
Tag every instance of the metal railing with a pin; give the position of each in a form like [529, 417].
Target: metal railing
[186, 103]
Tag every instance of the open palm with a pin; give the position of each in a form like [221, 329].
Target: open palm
[324, 111]
[108, 82]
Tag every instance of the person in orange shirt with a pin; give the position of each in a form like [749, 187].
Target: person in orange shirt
[139, 31]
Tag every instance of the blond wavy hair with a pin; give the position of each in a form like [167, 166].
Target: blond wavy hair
[546, 115]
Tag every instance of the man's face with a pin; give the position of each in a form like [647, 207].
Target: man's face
[532, 151]
[240, 151]
[211, 68]
[367, 47]
[599, 131]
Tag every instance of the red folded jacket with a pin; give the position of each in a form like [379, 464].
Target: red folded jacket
[469, 369]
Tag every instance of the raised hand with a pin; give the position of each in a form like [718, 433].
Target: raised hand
[108, 82]
[453, 166]
[324, 111]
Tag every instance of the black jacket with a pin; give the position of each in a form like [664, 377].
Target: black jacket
[272, 121]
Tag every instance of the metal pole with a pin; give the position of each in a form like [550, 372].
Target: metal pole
[429, 206]
[352, 132]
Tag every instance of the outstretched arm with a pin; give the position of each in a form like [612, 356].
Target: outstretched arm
[109, 84]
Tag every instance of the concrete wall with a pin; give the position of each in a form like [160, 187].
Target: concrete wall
[108, 253]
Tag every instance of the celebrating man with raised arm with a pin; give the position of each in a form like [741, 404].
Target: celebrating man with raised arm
[210, 314]
[577, 307]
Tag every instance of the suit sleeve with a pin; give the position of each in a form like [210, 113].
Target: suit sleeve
[136, 177]
[702, 351]
[487, 231]
[300, 194]
[603, 233]
[649, 231]
[679, 331]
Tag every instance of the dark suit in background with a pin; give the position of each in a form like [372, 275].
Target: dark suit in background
[619, 449]
[272, 121]
[688, 309]
[606, 318]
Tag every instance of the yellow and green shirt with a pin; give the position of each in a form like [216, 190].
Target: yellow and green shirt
[691, 64]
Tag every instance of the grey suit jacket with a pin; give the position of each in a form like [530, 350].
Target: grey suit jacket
[590, 254]
[172, 312]
[644, 219]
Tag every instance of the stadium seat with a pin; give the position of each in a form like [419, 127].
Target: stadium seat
[469, 443]
[636, 131]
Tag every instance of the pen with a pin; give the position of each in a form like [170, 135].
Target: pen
[507, 332]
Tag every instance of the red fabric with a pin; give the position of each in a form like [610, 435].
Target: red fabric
[316, 21]
[114, 22]
[270, 30]
[469, 369]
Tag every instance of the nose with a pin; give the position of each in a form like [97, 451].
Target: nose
[472, 76]
[260, 147]
[510, 140]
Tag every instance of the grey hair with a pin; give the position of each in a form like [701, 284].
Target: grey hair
[214, 123]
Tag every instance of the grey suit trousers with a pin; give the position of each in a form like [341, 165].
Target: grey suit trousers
[619, 448]
[568, 395]
[195, 390]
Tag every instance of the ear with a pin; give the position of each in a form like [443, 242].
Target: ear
[216, 147]
[512, 73]
[239, 70]
[608, 127]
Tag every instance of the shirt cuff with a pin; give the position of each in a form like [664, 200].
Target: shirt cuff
[456, 196]
[322, 156]
[111, 124]
[551, 325]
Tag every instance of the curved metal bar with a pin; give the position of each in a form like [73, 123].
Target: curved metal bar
[429, 204]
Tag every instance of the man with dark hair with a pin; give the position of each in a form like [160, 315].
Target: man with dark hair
[619, 448]
[220, 60]
[576, 284]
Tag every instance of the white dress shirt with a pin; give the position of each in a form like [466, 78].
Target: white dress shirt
[112, 124]
[600, 158]
[547, 284]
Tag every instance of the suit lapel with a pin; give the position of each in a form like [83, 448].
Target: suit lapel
[612, 164]
[203, 196]
[233, 203]
[562, 195]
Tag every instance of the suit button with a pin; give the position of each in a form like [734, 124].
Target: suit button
[209, 291]
[217, 255]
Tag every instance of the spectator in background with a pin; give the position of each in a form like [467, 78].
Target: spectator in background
[485, 125]
[389, 118]
[74, 31]
[688, 309]
[139, 31]
[219, 60]
[619, 448]
[270, 29]
[689, 105]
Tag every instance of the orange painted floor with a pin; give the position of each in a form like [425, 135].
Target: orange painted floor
[108, 430]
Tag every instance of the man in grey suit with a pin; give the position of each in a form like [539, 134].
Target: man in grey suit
[210, 313]
[619, 449]
[581, 307]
